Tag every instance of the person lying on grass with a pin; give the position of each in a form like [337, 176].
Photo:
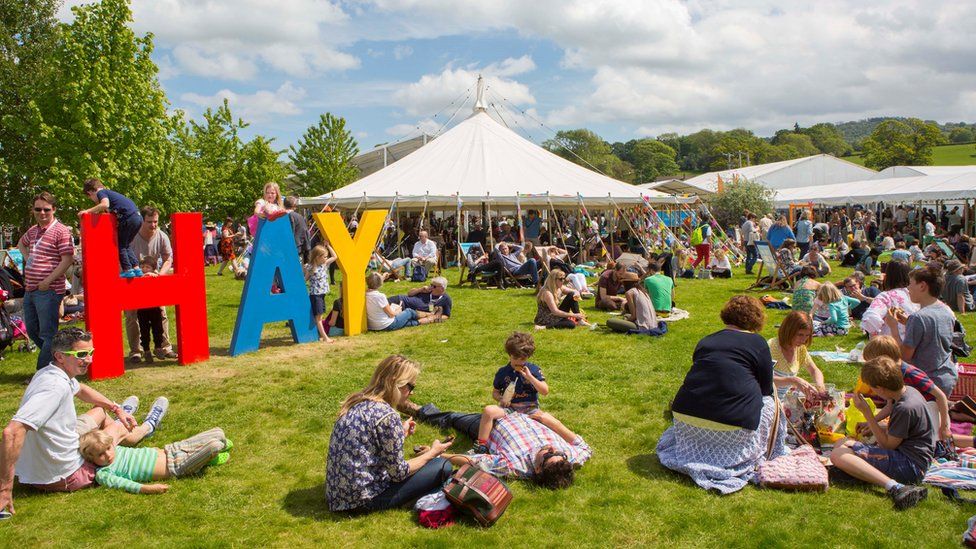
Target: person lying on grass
[516, 388]
[519, 446]
[905, 447]
[128, 468]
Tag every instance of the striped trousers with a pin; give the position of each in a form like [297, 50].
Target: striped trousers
[187, 457]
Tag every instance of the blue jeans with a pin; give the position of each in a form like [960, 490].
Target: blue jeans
[41, 318]
[531, 268]
[427, 480]
[752, 255]
[408, 317]
[461, 422]
[128, 228]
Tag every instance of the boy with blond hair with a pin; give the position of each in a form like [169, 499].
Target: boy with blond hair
[905, 447]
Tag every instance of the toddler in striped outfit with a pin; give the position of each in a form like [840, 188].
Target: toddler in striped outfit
[128, 468]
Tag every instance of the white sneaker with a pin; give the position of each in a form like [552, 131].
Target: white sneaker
[130, 404]
[156, 413]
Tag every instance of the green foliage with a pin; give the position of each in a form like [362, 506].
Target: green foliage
[801, 144]
[102, 112]
[828, 139]
[586, 148]
[737, 197]
[223, 174]
[28, 38]
[897, 143]
[325, 153]
[962, 135]
[651, 159]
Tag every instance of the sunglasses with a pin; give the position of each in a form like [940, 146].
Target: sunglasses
[43, 210]
[552, 454]
[82, 355]
[410, 387]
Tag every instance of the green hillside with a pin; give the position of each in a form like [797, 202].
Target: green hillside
[946, 155]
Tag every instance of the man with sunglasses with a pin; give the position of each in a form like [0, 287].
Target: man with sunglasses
[42, 438]
[48, 252]
[519, 446]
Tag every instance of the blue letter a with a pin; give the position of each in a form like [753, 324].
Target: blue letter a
[274, 250]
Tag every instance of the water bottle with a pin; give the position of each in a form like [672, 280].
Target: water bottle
[857, 353]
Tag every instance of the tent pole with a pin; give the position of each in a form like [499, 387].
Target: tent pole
[491, 234]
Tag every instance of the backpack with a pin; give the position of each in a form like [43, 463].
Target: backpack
[478, 493]
[419, 273]
[698, 235]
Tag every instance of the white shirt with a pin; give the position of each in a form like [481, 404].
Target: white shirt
[901, 216]
[716, 263]
[929, 229]
[50, 451]
[423, 251]
[376, 317]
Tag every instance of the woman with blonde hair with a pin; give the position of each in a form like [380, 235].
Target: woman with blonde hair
[567, 313]
[271, 205]
[366, 470]
[789, 350]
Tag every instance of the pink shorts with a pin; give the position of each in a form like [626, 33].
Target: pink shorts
[82, 478]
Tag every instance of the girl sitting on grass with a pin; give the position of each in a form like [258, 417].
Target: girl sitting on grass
[838, 305]
[128, 468]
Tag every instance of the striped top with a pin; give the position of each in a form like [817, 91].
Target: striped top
[131, 467]
[514, 442]
[45, 246]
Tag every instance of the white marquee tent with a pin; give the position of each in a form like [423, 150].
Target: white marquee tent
[481, 161]
[892, 190]
[911, 171]
[820, 169]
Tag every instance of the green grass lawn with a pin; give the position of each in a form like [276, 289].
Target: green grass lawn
[944, 155]
[278, 405]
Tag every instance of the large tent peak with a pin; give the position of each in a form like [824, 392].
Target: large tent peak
[479, 104]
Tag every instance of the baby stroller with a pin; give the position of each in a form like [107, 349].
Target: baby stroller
[12, 329]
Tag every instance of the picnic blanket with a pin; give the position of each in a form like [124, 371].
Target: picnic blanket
[676, 315]
[832, 356]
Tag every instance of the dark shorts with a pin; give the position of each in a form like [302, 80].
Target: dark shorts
[892, 463]
[318, 304]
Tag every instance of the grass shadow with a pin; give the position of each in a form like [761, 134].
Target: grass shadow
[310, 503]
[649, 467]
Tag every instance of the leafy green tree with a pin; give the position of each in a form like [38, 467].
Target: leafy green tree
[102, 113]
[589, 150]
[737, 197]
[897, 143]
[699, 150]
[828, 139]
[325, 156]
[736, 144]
[651, 159]
[802, 144]
[961, 135]
[28, 41]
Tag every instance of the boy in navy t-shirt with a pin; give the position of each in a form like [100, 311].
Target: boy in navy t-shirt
[129, 222]
[516, 388]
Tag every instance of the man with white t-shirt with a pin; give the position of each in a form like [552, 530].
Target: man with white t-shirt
[425, 251]
[150, 241]
[42, 438]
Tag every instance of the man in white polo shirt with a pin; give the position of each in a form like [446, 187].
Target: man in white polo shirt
[425, 251]
[42, 437]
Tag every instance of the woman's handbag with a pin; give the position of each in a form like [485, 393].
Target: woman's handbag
[801, 469]
[478, 493]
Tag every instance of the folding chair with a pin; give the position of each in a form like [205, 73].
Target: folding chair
[465, 263]
[770, 265]
[950, 251]
[509, 276]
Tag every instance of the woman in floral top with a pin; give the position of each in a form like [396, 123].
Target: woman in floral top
[894, 294]
[366, 470]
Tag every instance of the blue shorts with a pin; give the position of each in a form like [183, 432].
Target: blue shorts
[892, 463]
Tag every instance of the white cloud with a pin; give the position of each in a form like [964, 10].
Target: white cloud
[426, 126]
[657, 65]
[434, 92]
[257, 107]
[402, 51]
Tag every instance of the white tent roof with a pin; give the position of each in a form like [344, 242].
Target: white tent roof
[910, 171]
[819, 169]
[678, 187]
[480, 160]
[894, 190]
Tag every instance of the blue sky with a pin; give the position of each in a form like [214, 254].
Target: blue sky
[624, 68]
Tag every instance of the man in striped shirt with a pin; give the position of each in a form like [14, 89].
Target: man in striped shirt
[48, 251]
[518, 446]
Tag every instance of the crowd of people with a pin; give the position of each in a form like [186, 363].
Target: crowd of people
[725, 419]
